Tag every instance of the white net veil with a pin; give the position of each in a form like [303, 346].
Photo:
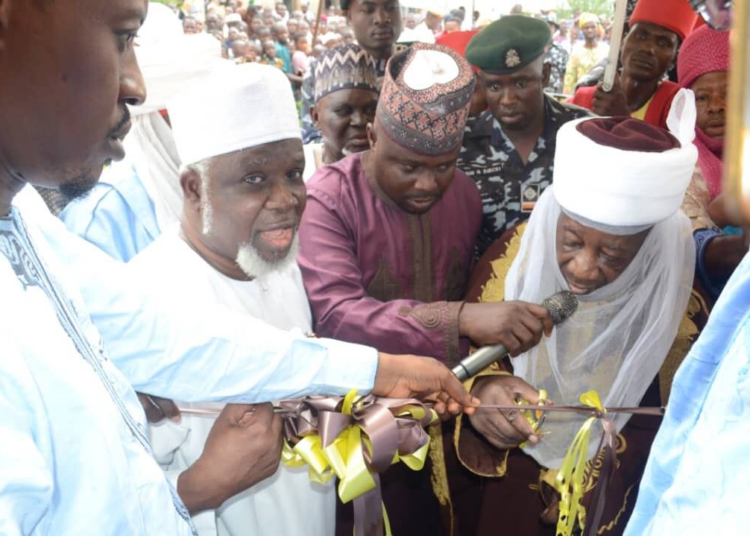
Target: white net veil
[620, 335]
[151, 147]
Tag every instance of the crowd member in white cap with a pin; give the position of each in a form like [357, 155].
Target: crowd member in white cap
[623, 246]
[236, 246]
[426, 30]
[387, 243]
[140, 196]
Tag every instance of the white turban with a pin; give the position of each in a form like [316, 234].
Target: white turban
[236, 108]
[626, 188]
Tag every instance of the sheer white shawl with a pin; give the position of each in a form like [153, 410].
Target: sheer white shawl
[619, 337]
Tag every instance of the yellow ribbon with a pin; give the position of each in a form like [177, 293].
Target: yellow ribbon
[573, 470]
[345, 456]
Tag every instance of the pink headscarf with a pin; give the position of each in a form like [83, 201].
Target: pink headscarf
[705, 51]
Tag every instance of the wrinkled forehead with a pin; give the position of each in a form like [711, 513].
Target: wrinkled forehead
[597, 233]
[268, 157]
[654, 30]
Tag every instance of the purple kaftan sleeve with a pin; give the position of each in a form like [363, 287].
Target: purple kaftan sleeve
[339, 301]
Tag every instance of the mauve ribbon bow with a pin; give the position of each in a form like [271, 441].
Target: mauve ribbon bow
[356, 438]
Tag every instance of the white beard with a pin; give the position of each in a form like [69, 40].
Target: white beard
[207, 213]
[255, 266]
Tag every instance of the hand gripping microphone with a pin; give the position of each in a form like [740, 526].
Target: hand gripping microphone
[560, 307]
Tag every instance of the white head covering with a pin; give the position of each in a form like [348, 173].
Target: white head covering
[621, 333]
[169, 61]
[236, 108]
[625, 188]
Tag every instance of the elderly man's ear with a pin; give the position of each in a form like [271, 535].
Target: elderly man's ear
[192, 188]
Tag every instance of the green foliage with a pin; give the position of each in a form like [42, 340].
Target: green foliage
[598, 7]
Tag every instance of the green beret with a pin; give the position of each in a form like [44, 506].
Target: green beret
[509, 44]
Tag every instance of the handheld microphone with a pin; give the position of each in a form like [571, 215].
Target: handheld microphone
[560, 306]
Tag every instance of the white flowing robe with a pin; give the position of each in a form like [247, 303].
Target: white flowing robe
[287, 502]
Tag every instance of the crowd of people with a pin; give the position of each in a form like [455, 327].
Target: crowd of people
[264, 34]
[242, 205]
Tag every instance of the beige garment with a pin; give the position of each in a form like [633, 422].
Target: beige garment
[582, 60]
[313, 159]
[695, 204]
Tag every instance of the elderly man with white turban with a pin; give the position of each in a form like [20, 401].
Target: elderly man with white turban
[620, 243]
[140, 196]
[236, 246]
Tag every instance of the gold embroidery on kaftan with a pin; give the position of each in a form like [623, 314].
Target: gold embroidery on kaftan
[612, 524]
[494, 289]
[686, 335]
[439, 474]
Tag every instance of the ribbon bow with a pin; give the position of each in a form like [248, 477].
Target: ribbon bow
[356, 438]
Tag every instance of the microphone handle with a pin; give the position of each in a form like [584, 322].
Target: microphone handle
[478, 361]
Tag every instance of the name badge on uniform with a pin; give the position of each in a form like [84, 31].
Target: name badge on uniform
[529, 196]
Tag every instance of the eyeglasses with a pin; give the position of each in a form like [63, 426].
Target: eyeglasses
[718, 14]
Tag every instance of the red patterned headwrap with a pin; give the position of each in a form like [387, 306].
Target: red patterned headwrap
[705, 51]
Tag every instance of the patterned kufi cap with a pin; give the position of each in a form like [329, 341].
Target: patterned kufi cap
[344, 67]
[425, 99]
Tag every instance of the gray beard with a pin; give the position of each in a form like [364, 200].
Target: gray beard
[255, 266]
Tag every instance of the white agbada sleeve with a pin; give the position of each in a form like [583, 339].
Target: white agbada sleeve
[26, 482]
[194, 351]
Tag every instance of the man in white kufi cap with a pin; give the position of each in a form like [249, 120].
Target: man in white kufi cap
[140, 196]
[243, 191]
[619, 242]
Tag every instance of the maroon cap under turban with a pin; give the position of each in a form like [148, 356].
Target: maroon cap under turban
[628, 134]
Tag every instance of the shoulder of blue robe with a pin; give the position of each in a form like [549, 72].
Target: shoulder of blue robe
[117, 216]
[716, 347]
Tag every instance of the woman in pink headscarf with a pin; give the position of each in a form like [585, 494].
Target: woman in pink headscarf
[702, 66]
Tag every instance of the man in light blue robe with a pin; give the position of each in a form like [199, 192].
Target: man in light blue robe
[698, 473]
[117, 216]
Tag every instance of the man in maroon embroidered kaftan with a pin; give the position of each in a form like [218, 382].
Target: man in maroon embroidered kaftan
[387, 243]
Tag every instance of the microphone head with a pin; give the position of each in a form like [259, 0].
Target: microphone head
[561, 306]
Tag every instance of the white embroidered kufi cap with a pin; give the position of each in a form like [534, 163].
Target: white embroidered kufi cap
[235, 108]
